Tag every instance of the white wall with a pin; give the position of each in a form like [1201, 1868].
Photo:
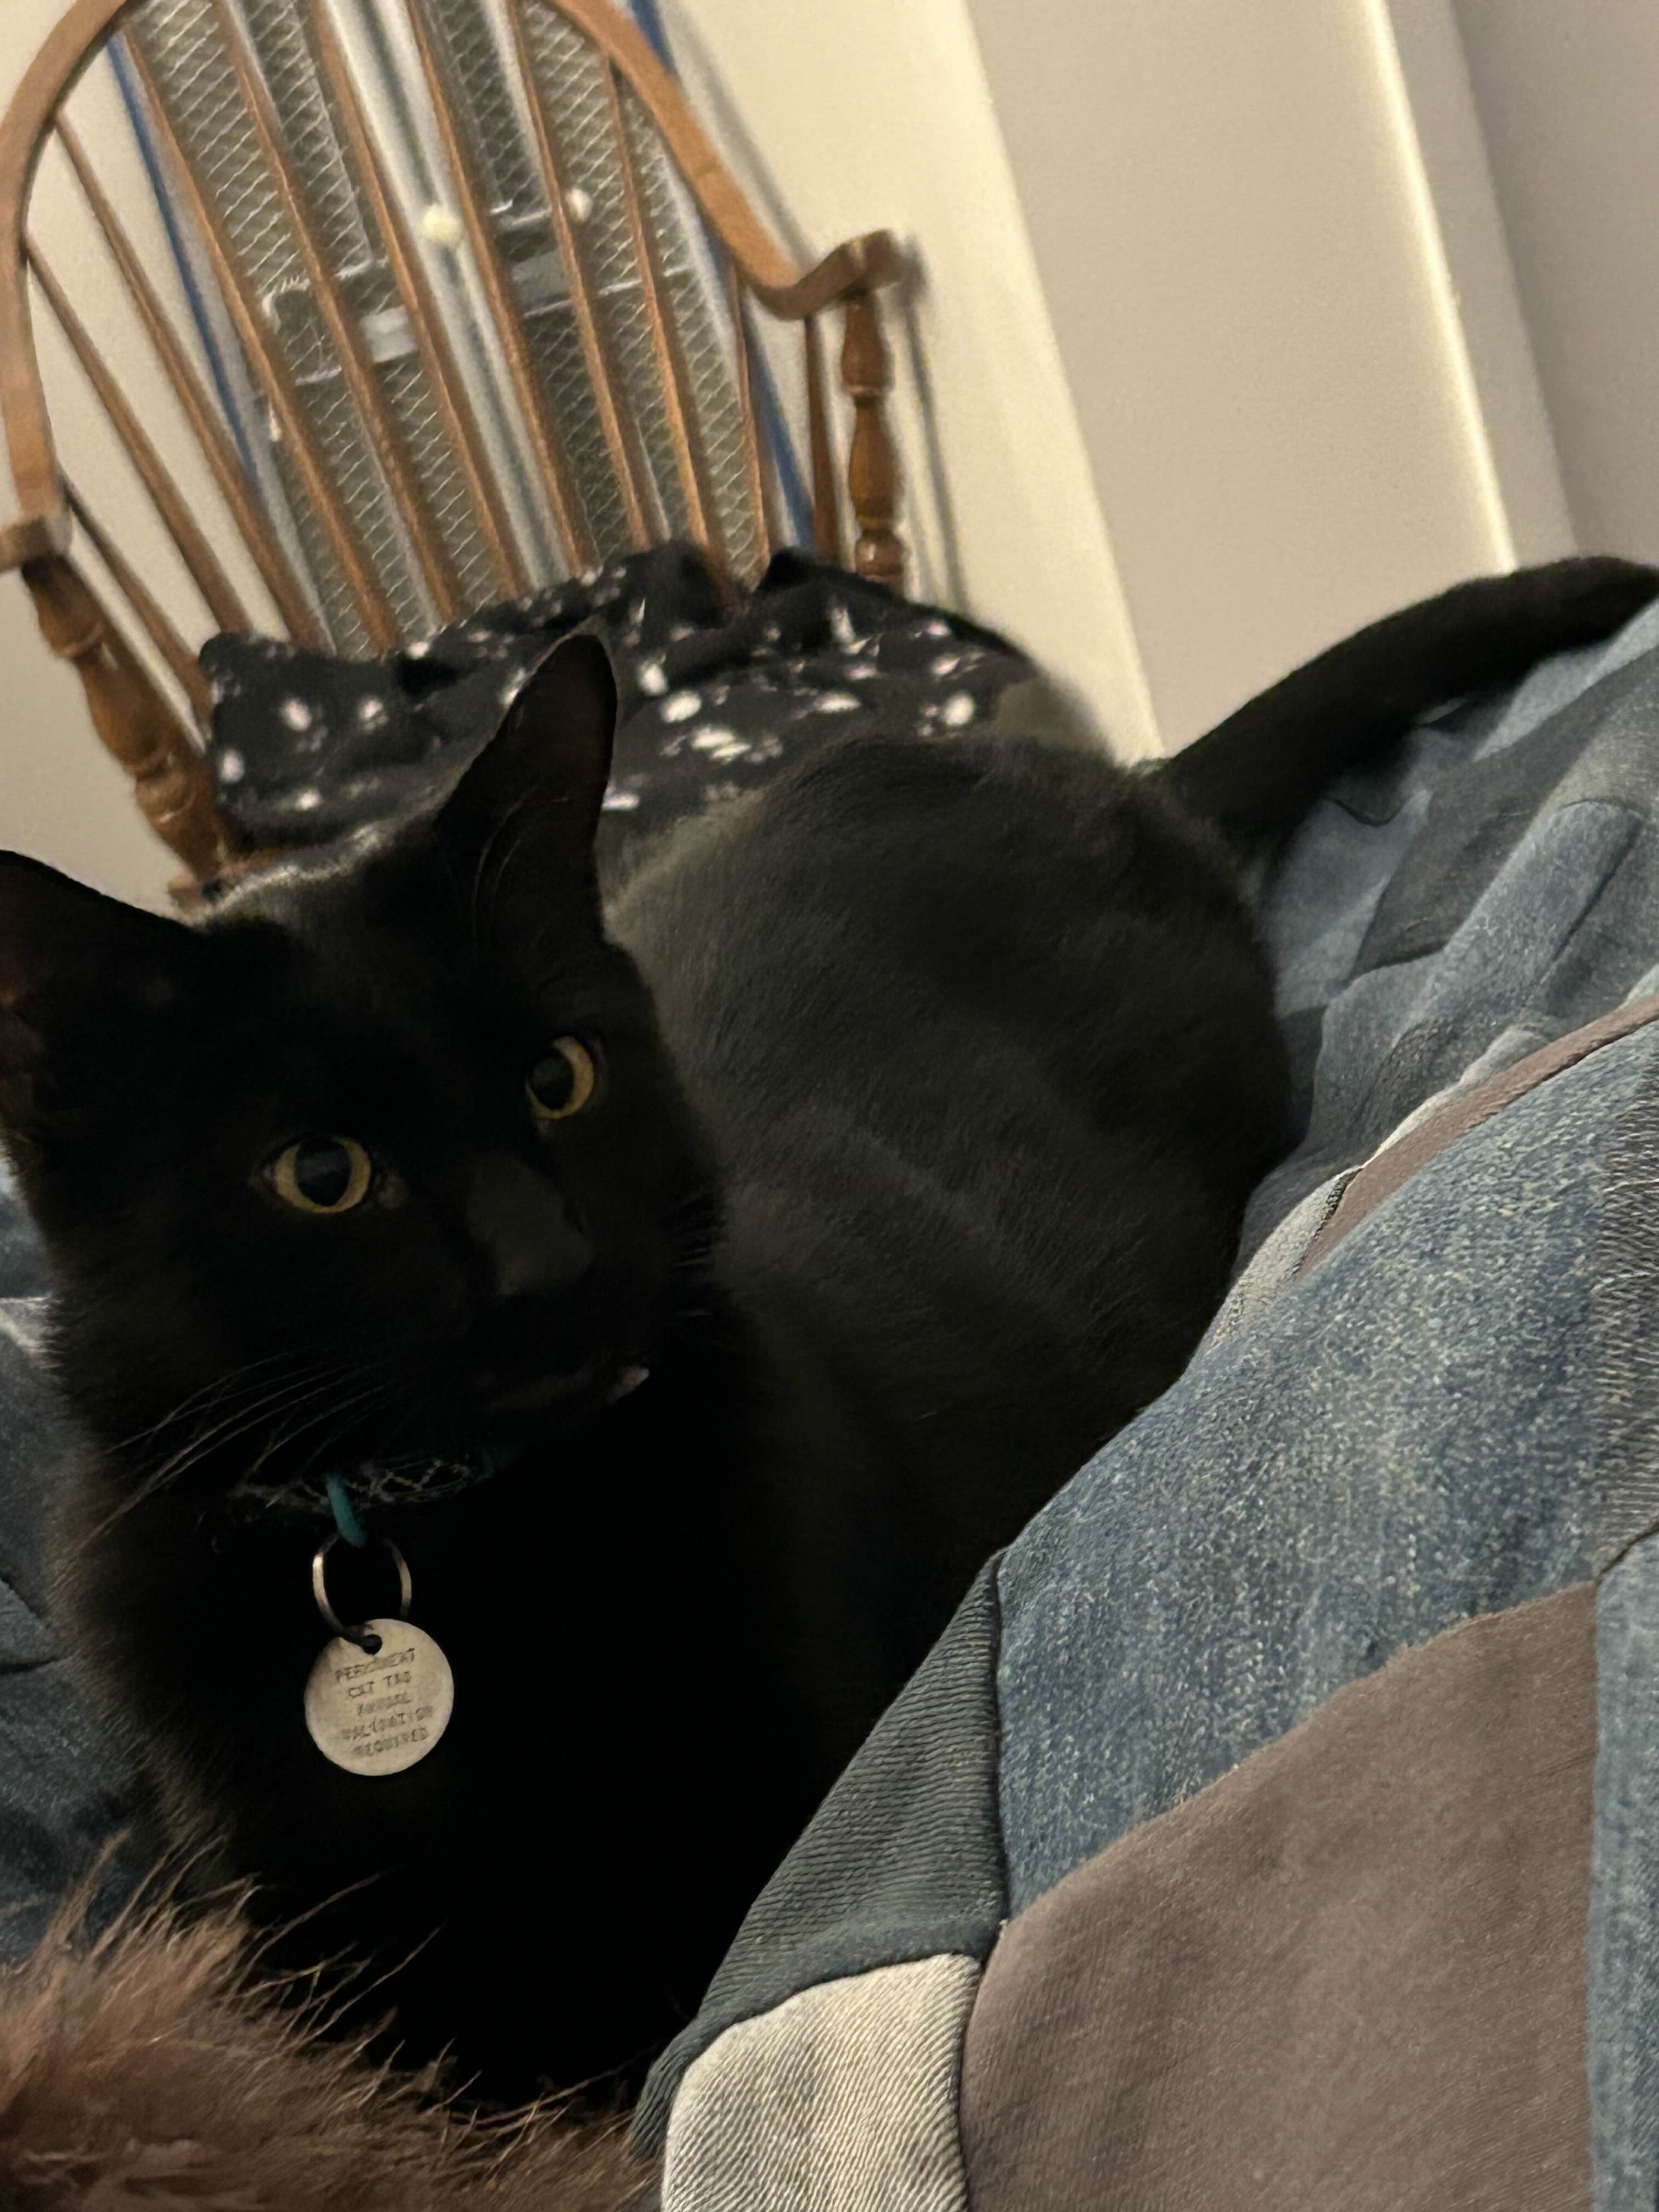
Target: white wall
[1252, 303]
[1568, 95]
[844, 116]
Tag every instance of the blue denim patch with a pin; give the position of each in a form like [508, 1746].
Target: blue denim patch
[1402, 1439]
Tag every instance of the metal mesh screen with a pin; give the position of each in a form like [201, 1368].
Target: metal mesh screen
[192, 72]
[571, 80]
[480, 91]
[571, 83]
[707, 342]
[194, 78]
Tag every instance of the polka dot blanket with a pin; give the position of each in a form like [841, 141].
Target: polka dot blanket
[306, 747]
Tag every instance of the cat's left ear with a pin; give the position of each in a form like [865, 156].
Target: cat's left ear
[546, 768]
[73, 966]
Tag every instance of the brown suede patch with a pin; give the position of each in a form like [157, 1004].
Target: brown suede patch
[1350, 1973]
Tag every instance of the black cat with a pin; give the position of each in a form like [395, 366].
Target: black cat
[696, 1292]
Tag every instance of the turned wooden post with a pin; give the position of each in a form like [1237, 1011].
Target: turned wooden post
[129, 713]
[867, 372]
[828, 542]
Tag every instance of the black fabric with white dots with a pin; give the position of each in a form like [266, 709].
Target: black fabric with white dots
[305, 747]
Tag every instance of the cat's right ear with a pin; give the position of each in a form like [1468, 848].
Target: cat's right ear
[75, 966]
[536, 789]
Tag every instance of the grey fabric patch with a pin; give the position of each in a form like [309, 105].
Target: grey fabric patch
[840, 2099]
[1624, 1917]
[902, 1861]
[1349, 1974]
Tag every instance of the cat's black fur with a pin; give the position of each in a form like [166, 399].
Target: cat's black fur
[935, 1076]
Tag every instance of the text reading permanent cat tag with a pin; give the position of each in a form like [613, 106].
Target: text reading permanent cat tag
[379, 1713]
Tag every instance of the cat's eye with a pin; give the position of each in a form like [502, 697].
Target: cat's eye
[562, 1081]
[322, 1174]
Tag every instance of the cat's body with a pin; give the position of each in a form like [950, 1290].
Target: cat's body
[923, 1176]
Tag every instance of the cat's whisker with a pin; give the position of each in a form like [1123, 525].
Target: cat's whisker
[292, 1397]
[334, 1388]
[210, 1395]
[284, 1437]
[242, 1416]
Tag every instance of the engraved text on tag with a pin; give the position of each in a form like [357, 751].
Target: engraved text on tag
[380, 1713]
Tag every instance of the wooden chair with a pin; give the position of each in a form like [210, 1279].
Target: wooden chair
[533, 374]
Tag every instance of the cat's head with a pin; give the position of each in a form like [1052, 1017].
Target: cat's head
[385, 1158]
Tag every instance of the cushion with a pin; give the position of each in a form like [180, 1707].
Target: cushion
[714, 694]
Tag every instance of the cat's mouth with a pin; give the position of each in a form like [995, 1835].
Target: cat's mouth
[547, 1391]
[619, 1380]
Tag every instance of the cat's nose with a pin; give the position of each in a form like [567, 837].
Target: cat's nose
[524, 1228]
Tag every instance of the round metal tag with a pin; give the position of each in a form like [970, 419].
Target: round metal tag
[379, 1714]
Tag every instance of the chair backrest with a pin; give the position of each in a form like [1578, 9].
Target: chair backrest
[457, 300]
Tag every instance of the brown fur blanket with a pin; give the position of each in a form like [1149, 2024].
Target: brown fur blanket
[151, 2068]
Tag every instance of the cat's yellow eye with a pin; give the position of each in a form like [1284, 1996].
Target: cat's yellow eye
[322, 1174]
[562, 1081]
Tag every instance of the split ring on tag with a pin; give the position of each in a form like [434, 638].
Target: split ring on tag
[380, 1696]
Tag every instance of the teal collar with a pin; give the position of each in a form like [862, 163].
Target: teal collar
[351, 1494]
[345, 1520]
[408, 1483]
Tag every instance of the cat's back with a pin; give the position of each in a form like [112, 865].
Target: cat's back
[906, 928]
[970, 1024]
[984, 1045]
